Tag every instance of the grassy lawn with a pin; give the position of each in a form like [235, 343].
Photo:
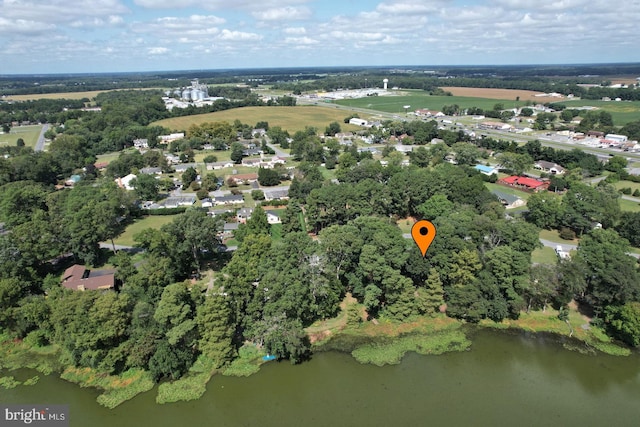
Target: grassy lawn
[552, 235]
[28, 133]
[276, 232]
[508, 190]
[327, 173]
[153, 221]
[109, 157]
[621, 112]
[288, 118]
[405, 225]
[419, 99]
[544, 255]
[629, 206]
[627, 184]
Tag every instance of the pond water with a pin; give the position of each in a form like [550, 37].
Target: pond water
[505, 379]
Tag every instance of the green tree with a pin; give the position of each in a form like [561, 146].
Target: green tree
[189, 176]
[437, 205]
[623, 322]
[545, 210]
[215, 328]
[333, 129]
[466, 153]
[237, 151]
[431, 297]
[268, 177]
[516, 163]
[146, 187]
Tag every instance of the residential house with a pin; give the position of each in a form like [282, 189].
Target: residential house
[251, 163]
[125, 181]
[244, 178]
[207, 202]
[243, 215]
[165, 139]
[220, 165]
[218, 212]
[251, 152]
[182, 200]
[141, 144]
[524, 183]
[228, 228]
[184, 166]
[79, 278]
[230, 199]
[151, 171]
[276, 194]
[508, 200]
[172, 159]
[258, 133]
[273, 217]
[549, 167]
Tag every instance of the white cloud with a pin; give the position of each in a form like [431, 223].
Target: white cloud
[157, 50]
[295, 30]
[230, 35]
[409, 8]
[306, 41]
[61, 11]
[283, 14]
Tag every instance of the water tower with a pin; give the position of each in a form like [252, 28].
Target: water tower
[384, 83]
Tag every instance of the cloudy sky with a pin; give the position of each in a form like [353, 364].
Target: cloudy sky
[58, 36]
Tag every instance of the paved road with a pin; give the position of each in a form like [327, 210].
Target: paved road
[40, 143]
[278, 151]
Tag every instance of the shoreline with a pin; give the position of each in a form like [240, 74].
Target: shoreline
[381, 343]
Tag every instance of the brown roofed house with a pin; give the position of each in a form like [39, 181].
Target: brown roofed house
[79, 278]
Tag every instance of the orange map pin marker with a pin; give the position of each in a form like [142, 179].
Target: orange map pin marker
[423, 233]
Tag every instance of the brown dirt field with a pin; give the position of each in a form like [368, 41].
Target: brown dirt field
[510, 94]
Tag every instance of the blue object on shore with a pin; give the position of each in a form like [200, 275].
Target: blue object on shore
[268, 358]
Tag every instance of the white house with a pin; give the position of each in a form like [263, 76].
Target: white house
[273, 218]
[549, 167]
[125, 181]
[141, 144]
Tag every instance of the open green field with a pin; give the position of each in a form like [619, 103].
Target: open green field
[627, 184]
[544, 255]
[622, 112]
[153, 221]
[291, 119]
[28, 133]
[508, 190]
[420, 99]
[629, 206]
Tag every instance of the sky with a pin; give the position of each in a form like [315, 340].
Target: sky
[88, 36]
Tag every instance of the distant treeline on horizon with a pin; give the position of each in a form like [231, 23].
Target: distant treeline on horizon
[79, 82]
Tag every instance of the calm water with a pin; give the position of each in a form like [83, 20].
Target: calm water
[503, 380]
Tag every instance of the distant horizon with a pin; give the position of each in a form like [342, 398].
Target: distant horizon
[91, 36]
[409, 67]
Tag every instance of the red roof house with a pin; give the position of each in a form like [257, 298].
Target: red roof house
[525, 183]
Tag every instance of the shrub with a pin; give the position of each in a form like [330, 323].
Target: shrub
[567, 233]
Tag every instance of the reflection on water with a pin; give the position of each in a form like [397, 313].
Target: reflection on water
[505, 379]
